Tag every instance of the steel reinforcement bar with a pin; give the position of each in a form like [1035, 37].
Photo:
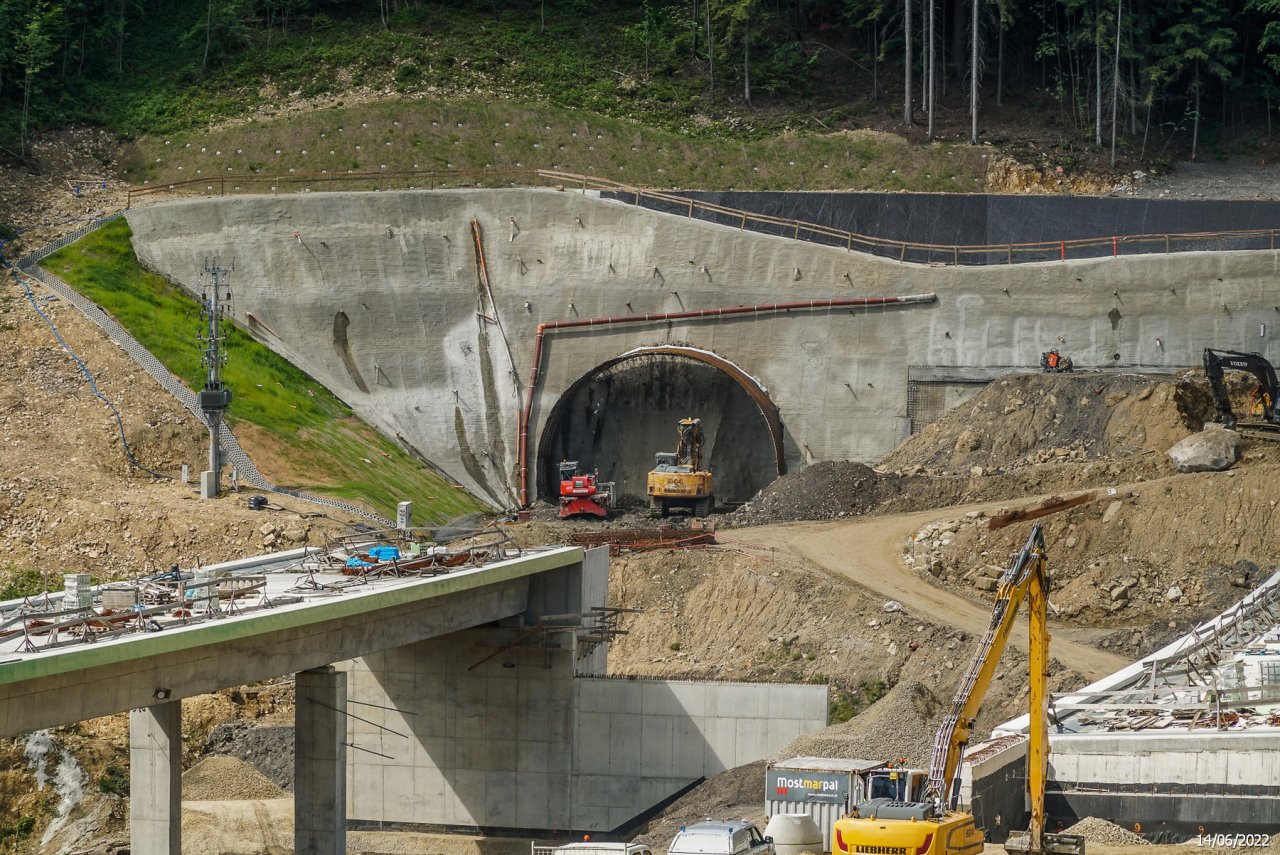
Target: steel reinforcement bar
[907, 252]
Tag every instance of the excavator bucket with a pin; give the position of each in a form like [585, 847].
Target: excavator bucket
[1050, 844]
[577, 507]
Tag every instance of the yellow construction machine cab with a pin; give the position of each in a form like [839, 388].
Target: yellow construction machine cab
[886, 827]
[895, 782]
[678, 479]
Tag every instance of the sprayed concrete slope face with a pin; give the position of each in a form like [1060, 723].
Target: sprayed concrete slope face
[380, 296]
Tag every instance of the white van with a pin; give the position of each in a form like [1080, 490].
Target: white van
[591, 847]
[727, 837]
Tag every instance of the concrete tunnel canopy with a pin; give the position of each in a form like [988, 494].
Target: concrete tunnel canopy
[380, 297]
[616, 416]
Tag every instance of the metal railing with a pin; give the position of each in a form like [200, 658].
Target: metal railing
[913, 252]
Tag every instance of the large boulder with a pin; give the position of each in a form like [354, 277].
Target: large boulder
[1212, 450]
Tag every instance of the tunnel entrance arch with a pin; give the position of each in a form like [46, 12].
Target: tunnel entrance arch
[617, 415]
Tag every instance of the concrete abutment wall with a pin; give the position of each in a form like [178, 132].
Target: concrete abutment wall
[401, 267]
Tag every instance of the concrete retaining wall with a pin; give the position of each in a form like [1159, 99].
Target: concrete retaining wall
[378, 296]
[502, 738]
[1216, 762]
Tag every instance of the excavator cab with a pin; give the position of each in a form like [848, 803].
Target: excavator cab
[897, 784]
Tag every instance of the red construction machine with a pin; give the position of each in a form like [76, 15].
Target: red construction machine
[582, 494]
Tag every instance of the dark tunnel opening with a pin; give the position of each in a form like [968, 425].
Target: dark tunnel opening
[616, 419]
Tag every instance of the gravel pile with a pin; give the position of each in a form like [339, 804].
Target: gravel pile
[219, 778]
[1104, 833]
[901, 724]
[821, 491]
[267, 748]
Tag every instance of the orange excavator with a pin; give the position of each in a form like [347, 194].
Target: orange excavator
[582, 493]
[927, 822]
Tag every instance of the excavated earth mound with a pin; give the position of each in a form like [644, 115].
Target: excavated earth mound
[1095, 830]
[901, 724]
[219, 777]
[1027, 419]
[821, 491]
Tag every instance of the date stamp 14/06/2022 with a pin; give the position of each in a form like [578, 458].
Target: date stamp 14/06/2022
[1234, 841]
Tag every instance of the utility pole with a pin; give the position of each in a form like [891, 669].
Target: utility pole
[214, 397]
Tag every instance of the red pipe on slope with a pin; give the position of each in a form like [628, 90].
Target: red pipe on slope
[759, 308]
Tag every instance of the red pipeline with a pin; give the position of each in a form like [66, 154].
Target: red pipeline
[759, 308]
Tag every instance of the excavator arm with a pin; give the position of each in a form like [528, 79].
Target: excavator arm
[1216, 361]
[689, 449]
[1026, 578]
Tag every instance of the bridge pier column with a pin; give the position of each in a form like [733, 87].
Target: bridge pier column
[320, 763]
[155, 779]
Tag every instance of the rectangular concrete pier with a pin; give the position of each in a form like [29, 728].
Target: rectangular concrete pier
[155, 779]
[320, 763]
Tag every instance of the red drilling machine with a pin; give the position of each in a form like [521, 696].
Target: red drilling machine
[582, 494]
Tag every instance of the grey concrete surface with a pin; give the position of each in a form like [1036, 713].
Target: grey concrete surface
[71, 684]
[320, 760]
[521, 740]
[155, 779]
[377, 295]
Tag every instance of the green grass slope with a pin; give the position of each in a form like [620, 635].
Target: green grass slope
[401, 135]
[298, 433]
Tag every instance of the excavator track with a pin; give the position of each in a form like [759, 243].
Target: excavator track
[1259, 430]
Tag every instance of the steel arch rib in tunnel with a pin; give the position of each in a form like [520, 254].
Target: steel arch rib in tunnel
[738, 379]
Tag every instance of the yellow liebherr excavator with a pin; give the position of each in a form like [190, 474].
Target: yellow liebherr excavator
[678, 480]
[932, 825]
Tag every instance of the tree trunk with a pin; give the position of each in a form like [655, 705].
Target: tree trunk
[746, 61]
[696, 28]
[1097, 74]
[973, 82]
[1115, 81]
[1146, 125]
[1195, 124]
[711, 52]
[1000, 65]
[120, 42]
[26, 111]
[875, 63]
[1133, 97]
[933, 73]
[208, 37]
[924, 57]
[906, 76]
[959, 31]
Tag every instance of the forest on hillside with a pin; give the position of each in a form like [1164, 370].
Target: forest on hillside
[1107, 72]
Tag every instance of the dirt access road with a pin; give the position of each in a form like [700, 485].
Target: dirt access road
[868, 552]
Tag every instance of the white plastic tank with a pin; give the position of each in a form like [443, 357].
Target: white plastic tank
[794, 833]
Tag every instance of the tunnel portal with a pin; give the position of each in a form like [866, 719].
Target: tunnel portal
[617, 416]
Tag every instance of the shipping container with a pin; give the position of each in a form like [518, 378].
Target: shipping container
[823, 787]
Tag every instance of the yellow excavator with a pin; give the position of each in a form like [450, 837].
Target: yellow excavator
[678, 480]
[930, 824]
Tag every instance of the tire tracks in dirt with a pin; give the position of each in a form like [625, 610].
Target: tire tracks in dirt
[867, 552]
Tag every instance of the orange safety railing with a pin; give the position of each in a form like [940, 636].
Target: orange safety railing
[672, 202]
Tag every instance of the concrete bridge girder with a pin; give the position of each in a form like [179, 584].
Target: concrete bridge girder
[838, 379]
